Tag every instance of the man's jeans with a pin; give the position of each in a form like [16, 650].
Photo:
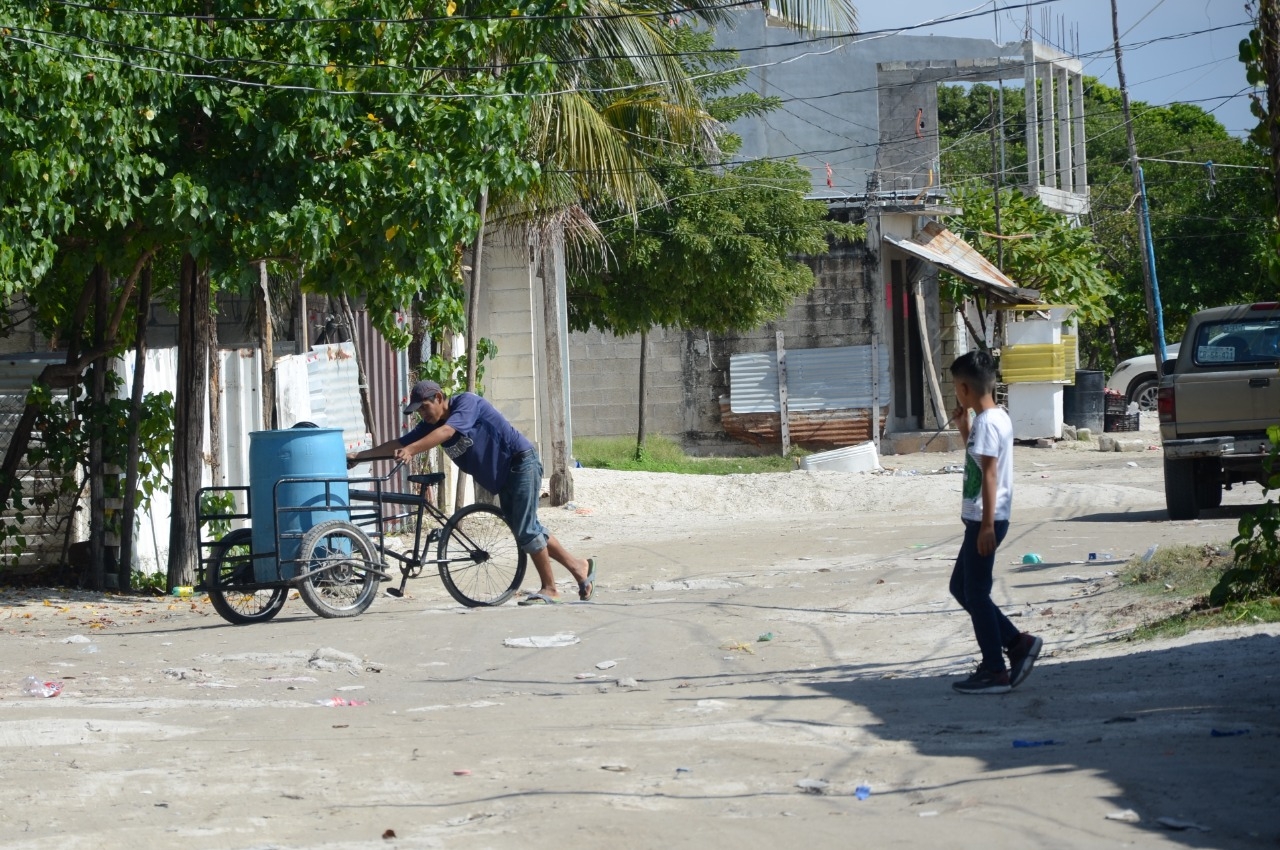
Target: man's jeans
[519, 500]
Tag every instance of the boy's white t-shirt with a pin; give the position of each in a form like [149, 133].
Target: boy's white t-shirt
[990, 435]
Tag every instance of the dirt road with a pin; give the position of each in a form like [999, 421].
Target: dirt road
[670, 722]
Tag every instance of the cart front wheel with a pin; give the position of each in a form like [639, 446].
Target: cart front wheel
[231, 585]
[338, 562]
[480, 563]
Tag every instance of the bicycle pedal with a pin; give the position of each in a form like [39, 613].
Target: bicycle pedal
[395, 591]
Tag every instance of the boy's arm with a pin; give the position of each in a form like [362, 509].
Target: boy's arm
[987, 531]
[961, 417]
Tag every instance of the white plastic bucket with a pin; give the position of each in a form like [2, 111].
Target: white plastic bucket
[859, 458]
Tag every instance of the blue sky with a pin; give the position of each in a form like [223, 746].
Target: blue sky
[1198, 67]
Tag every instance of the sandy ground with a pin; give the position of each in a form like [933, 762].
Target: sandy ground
[670, 723]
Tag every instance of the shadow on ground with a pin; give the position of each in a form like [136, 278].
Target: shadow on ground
[1189, 732]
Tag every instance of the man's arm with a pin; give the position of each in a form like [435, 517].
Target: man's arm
[433, 438]
[385, 451]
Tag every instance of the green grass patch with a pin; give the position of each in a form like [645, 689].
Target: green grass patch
[1186, 574]
[662, 454]
[1232, 614]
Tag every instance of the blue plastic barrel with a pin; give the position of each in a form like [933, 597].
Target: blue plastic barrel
[296, 452]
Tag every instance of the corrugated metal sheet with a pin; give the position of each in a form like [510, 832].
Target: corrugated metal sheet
[818, 379]
[1070, 357]
[386, 371]
[44, 528]
[334, 382]
[813, 430]
[939, 246]
[1032, 363]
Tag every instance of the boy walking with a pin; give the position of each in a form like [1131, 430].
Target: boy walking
[985, 507]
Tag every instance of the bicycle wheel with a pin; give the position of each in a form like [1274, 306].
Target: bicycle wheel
[336, 557]
[230, 583]
[480, 563]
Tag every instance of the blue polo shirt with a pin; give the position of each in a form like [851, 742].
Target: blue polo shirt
[485, 443]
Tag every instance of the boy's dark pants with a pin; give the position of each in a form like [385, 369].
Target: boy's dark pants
[971, 586]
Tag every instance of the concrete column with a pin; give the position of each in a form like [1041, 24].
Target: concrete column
[1081, 177]
[1065, 175]
[1033, 118]
[1049, 165]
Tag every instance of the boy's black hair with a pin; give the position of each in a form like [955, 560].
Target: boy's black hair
[977, 368]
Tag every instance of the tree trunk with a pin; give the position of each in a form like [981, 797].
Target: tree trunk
[266, 334]
[557, 402]
[644, 356]
[135, 418]
[193, 354]
[215, 406]
[473, 319]
[97, 398]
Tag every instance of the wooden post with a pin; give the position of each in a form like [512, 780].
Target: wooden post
[557, 396]
[266, 333]
[873, 281]
[785, 430]
[926, 346]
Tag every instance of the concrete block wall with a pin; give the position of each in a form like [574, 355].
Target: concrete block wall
[605, 383]
[510, 301]
[954, 343]
[689, 370]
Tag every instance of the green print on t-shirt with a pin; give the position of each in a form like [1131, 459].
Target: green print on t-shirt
[972, 478]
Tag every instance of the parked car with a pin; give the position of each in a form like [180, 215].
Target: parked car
[1135, 379]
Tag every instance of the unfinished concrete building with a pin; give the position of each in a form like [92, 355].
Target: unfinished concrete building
[863, 356]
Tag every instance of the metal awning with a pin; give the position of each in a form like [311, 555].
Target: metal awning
[939, 246]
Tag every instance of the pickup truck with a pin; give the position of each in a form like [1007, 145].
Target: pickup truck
[1216, 401]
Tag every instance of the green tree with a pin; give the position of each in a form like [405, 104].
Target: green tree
[348, 143]
[1208, 227]
[1041, 249]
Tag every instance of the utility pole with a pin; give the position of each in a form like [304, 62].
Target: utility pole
[1269, 28]
[1148, 290]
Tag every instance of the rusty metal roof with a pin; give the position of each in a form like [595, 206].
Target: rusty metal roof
[935, 244]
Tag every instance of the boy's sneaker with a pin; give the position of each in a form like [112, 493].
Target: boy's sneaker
[983, 681]
[1022, 657]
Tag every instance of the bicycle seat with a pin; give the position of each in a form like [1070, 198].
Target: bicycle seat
[427, 480]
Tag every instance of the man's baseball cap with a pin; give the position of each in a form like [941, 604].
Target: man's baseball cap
[422, 391]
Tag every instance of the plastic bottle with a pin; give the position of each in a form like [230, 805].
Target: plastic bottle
[33, 687]
[183, 591]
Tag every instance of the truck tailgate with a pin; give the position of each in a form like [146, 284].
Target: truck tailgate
[1209, 405]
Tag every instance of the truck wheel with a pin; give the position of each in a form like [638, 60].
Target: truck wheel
[1180, 489]
[1209, 483]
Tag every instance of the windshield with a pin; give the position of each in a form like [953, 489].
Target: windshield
[1246, 340]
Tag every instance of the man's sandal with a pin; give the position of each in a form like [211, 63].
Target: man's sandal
[539, 599]
[587, 589]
